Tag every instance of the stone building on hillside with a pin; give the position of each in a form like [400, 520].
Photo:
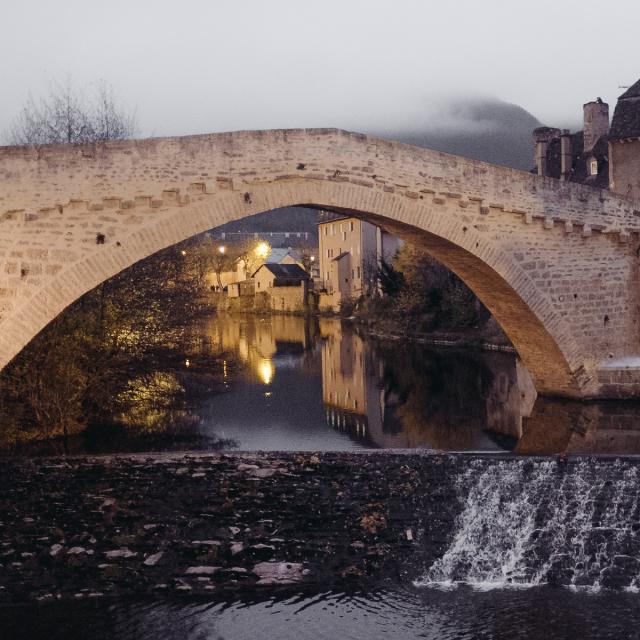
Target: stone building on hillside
[350, 250]
[601, 156]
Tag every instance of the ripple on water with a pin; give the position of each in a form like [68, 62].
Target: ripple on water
[401, 613]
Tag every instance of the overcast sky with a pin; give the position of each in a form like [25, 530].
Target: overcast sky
[195, 66]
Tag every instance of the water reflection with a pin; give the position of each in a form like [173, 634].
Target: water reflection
[295, 383]
[320, 383]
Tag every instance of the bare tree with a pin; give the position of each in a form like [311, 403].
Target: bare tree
[68, 116]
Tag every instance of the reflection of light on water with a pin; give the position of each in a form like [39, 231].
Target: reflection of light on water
[265, 371]
[224, 369]
[267, 394]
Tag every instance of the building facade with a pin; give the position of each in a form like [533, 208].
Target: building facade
[349, 253]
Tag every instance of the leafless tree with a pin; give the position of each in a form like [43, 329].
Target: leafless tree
[69, 116]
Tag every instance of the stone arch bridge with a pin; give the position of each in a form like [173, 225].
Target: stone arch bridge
[556, 263]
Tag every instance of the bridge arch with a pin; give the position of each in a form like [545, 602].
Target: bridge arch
[470, 216]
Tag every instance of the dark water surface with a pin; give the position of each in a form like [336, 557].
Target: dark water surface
[551, 613]
[294, 383]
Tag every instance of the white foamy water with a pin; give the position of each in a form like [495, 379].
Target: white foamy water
[526, 523]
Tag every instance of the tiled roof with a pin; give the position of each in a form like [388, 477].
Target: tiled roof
[632, 92]
[277, 255]
[285, 270]
[579, 171]
[626, 117]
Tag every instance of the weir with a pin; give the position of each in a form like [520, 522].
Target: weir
[193, 524]
[529, 523]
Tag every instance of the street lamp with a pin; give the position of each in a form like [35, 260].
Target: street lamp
[263, 250]
[222, 249]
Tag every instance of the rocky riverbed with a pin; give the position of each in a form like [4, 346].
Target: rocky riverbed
[218, 524]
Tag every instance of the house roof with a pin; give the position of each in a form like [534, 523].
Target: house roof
[579, 170]
[278, 255]
[626, 117]
[632, 92]
[284, 270]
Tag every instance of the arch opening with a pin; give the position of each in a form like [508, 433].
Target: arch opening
[528, 320]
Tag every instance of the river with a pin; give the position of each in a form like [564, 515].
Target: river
[528, 557]
[309, 384]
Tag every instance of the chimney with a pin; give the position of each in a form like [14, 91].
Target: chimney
[596, 123]
[542, 136]
[566, 155]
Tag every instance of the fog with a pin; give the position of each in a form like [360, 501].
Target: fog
[199, 66]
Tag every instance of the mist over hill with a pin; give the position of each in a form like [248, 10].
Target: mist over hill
[483, 129]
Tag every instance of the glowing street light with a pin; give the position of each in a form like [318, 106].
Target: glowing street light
[183, 252]
[263, 250]
[222, 249]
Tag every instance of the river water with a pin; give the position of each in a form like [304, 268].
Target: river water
[294, 383]
[529, 557]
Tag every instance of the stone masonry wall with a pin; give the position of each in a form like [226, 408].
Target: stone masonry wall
[554, 262]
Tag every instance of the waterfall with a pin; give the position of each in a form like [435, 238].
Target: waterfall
[525, 523]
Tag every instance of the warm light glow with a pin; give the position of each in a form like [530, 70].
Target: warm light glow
[222, 248]
[183, 252]
[187, 363]
[263, 250]
[313, 258]
[265, 371]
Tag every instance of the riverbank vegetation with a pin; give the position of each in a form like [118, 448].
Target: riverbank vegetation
[120, 350]
[416, 296]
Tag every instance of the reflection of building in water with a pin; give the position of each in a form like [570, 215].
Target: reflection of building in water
[376, 411]
[262, 343]
[352, 393]
[344, 379]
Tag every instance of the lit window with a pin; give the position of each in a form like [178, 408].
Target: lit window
[593, 167]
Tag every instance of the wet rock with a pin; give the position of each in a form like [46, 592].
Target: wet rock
[153, 559]
[236, 548]
[204, 570]
[247, 467]
[74, 551]
[56, 549]
[206, 543]
[272, 573]
[262, 473]
[120, 553]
